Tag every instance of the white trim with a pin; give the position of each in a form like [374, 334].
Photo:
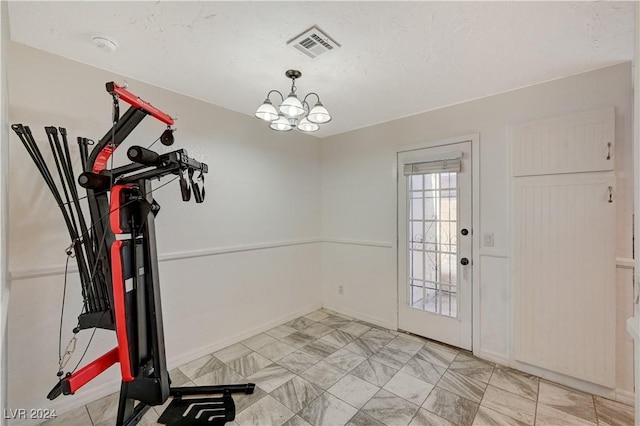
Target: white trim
[625, 263]
[221, 344]
[633, 329]
[565, 380]
[492, 253]
[442, 142]
[620, 395]
[510, 227]
[395, 176]
[636, 203]
[23, 274]
[625, 397]
[475, 214]
[495, 357]
[382, 244]
[474, 138]
[233, 249]
[41, 272]
[59, 269]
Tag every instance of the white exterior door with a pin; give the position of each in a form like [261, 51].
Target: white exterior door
[435, 243]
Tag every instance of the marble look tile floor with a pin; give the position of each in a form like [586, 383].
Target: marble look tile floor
[325, 369]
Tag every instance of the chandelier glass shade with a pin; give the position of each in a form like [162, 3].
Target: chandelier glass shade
[293, 113]
[267, 111]
[281, 124]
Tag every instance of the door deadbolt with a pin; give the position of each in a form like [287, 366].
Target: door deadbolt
[464, 261]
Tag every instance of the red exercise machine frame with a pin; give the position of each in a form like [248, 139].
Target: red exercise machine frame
[118, 264]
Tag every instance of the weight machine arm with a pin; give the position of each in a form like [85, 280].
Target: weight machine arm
[99, 181]
[121, 205]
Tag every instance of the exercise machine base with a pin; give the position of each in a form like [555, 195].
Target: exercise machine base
[203, 411]
[185, 410]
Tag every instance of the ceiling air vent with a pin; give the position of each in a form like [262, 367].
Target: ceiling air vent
[313, 42]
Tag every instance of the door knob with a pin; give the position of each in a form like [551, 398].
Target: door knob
[464, 261]
[464, 231]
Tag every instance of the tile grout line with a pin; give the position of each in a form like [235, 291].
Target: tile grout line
[436, 384]
[515, 394]
[595, 409]
[324, 391]
[359, 410]
[485, 392]
[398, 371]
[89, 414]
[296, 374]
[369, 358]
[535, 414]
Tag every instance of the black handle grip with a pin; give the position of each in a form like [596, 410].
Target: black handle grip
[94, 181]
[55, 392]
[144, 156]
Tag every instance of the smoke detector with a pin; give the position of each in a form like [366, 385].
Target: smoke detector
[105, 44]
[313, 42]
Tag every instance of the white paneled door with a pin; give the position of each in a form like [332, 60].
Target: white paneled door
[564, 274]
[434, 243]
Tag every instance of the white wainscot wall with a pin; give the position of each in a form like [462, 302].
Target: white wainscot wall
[494, 308]
[209, 302]
[358, 204]
[363, 269]
[245, 260]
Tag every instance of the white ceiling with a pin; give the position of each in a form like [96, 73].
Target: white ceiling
[397, 58]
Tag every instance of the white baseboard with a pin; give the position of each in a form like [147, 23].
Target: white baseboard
[562, 379]
[221, 344]
[620, 395]
[625, 397]
[363, 317]
[64, 403]
[492, 357]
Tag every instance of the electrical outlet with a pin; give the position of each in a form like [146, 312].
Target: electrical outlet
[487, 239]
[340, 289]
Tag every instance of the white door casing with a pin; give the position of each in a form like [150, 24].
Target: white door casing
[434, 207]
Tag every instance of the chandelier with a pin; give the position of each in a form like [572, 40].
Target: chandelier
[293, 113]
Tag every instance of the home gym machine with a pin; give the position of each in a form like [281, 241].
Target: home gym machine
[118, 263]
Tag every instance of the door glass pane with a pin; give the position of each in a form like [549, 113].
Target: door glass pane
[416, 267]
[416, 182]
[417, 208]
[433, 250]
